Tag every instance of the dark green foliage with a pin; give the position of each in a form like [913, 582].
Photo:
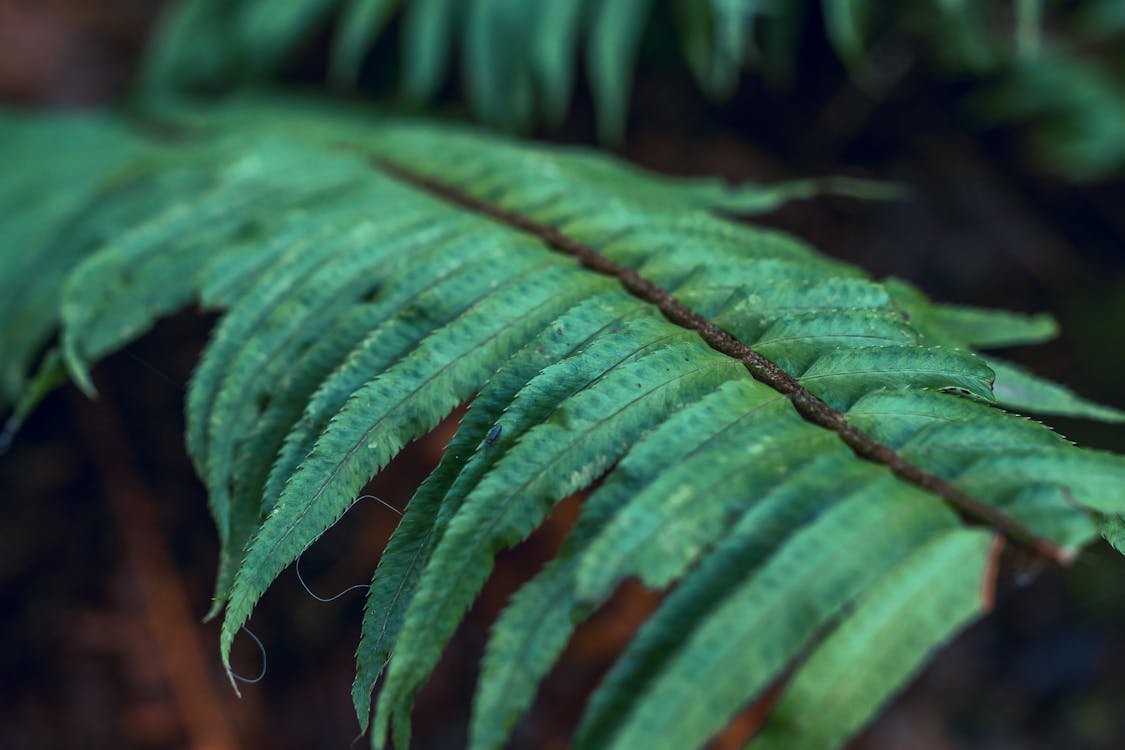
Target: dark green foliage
[360, 309]
[517, 60]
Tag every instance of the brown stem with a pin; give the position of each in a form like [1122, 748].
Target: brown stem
[166, 605]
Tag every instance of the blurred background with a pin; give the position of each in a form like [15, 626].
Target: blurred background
[1006, 122]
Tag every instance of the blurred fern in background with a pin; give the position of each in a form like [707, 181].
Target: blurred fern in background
[1056, 68]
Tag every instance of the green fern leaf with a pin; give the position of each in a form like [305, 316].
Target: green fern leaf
[1070, 100]
[542, 468]
[379, 418]
[1092, 479]
[318, 280]
[898, 622]
[843, 376]
[959, 325]
[194, 44]
[152, 270]
[990, 329]
[498, 78]
[653, 537]
[753, 633]
[384, 327]
[469, 288]
[1019, 389]
[797, 340]
[1112, 529]
[273, 30]
[75, 188]
[296, 282]
[427, 33]
[553, 50]
[462, 467]
[361, 24]
[751, 541]
[790, 447]
[616, 30]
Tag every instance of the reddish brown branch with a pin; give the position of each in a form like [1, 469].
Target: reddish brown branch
[810, 407]
[165, 601]
[991, 574]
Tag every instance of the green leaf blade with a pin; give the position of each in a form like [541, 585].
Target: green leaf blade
[897, 624]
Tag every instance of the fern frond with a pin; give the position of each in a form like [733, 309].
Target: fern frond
[794, 448]
[428, 31]
[85, 186]
[378, 419]
[988, 329]
[1020, 389]
[461, 469]
[615, 34]
[151, 270]
[532, 632]
[518, 60]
